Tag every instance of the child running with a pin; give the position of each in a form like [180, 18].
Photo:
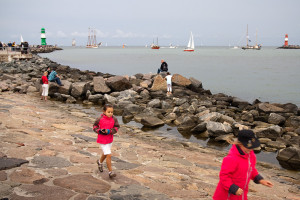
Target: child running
[238, 168]
[106, 126]
[45, 86]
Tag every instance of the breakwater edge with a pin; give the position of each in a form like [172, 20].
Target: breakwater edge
[142, 98]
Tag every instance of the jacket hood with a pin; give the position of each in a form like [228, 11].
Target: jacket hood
[237, 151]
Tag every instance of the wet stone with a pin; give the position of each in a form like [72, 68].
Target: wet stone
[8, 163]
[50, 162]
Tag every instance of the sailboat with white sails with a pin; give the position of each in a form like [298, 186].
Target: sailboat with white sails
[92, 42]
[191, 46]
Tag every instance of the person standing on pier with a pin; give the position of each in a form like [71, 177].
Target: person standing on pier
[106, 126]
[238, 168]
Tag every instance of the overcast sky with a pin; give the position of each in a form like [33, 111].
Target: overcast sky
[138, 22]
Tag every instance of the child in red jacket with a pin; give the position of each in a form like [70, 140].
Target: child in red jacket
[238, 168]
[106, 126]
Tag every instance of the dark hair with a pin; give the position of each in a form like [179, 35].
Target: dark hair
[107, 106]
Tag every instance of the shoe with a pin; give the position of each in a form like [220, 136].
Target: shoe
[112, 174]
[100, 166]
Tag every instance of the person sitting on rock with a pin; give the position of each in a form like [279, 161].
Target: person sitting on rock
[53, 77]
[163, 67]
[238, 168]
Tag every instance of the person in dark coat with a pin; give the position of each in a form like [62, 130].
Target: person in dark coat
[163, 67]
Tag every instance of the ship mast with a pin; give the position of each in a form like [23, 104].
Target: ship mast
[247, 38]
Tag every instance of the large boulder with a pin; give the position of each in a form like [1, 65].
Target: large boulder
[216, 117]
[293, 121]
[118, 83]
[79, 89]
[100, 85]
[289, 157]
[154, 103]
[179, 80]
[187, 124]
[151, 121]
[97, 98]
[272, 132]
[159, 83]
[237, 102]
[216, 129]
[269, 108]
[276, 119]
[66, 88]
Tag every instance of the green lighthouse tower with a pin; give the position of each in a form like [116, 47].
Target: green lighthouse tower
[43, 37]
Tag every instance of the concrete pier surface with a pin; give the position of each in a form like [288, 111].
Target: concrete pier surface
[49, 151]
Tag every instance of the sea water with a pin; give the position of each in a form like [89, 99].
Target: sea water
[270, 74]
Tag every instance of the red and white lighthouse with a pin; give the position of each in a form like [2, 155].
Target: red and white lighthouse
[286, 40]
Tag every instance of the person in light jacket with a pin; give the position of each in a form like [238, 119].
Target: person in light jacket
[238, 168]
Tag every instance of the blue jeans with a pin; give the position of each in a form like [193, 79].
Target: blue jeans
[57, 80]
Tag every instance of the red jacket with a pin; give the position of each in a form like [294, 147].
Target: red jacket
[45, 79]
[104, 122]
[237, 169]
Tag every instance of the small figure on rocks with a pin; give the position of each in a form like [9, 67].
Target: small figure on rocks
[106, 126]
[163, 67]
[238, 168]
[45, 86]
[168, 78]
[53, 77]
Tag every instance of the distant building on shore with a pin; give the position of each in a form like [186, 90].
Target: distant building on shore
[43, 37]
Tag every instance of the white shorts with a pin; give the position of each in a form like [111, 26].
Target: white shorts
[45, 88]
[106, 148]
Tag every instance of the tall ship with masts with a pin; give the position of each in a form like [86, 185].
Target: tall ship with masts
[92, 41]
[155, 46]
[255, 47]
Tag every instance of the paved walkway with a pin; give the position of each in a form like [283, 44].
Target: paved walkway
[48, 151]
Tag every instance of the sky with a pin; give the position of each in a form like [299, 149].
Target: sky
[139, 22]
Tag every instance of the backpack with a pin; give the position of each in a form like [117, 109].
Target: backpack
[41, 81]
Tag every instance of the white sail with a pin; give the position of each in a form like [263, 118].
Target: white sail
[192, 42]
[22, 39]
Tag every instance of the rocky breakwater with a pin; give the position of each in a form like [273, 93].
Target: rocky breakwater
[142, 97]
[44, 49]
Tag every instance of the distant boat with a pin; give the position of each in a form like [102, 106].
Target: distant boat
[155, 46]
[73, 43]
[190, 46]
[172, 47]
[92, 41]
[255, 47]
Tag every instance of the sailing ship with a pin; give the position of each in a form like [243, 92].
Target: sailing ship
[191, 46]
[73, 43]
[255, 47]
[92, 41]
[155, 46]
